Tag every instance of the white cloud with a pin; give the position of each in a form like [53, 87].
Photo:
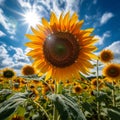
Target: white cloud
[7, 23]
[102, 38]
[2, 33]
[15, 61]
[45, 6]
[105, 17]
[5, 59]
[12, 37]
[2, 2]
[19, 55]
[94, 1]
[24, 4]
[115, 48]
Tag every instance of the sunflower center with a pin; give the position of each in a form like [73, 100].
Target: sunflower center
[61, 49]
[106, 56]
[113, 72]
[8, 74]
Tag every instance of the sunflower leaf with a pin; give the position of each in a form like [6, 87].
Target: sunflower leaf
[4, 94]
[87, 106]
[67, 107]
[114, 113]
[9, 106]
[109, 85]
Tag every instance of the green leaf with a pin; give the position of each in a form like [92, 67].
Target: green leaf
[109, 85]
[102, 96]
[85, 78]
[9, 106]
[114, 113]
[87, 106]
[67, 107]
[4, 94]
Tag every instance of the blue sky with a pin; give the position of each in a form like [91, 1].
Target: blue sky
[103, 15]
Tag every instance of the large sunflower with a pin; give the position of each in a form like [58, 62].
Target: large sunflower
[60, 48]
[106, 56]
[112, 71]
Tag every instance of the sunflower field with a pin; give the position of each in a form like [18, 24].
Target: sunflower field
[59, 84]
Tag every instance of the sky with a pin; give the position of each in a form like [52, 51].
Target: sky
[16, 17]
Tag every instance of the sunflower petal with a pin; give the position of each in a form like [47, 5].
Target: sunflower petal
[73, 19]
[45, 22]
[66, 19]
[48, 75]
[36, 32]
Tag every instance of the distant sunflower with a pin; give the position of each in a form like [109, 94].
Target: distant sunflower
[77, 89]
[106, 56]
[112, 71]
[60, 48]
[94, 83]
[16, 86]
[8, 73]
[28, 70]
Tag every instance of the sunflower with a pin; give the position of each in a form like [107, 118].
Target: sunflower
[8, 73]
[94, 83]
[60, 48]
[16, 86]
[77, 89]
[106, 56]
[112, 71]
[28, 70]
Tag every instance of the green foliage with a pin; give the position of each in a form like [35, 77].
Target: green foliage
[67, 107]
[109, 85]
[9, 106]
[87, 106]
[4, 94]
[114, 113]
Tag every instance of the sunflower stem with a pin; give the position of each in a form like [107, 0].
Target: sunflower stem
[55, 112]
[113, 95]
[42, 109]
[98, 103]
[11, 84]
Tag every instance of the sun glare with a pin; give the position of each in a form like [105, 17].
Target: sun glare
[31, 18]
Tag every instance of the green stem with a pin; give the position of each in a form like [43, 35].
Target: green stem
[113, 95]
[55, 112]
[98, 104]
[42, 109]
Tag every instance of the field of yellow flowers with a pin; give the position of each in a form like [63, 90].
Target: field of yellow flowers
[57, 85]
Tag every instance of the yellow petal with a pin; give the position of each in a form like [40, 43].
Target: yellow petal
[54, 19]
[48, 75]
[45, 22]
[34, 37]
[40, 74]
[61, 22]
[66, 18]
[93, 56]
[73, 19]
[77, 27]
[34, 44]
[36, 32]
[89, 30]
